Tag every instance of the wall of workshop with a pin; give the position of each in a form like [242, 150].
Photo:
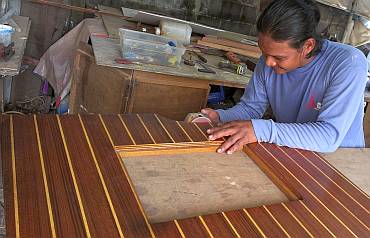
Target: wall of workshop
[50, 23]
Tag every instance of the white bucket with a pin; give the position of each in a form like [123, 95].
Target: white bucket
[178, 31]
[6, 34]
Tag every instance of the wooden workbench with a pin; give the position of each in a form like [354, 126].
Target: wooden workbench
[63, 176]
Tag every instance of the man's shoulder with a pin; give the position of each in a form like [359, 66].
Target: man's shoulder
[340, 53]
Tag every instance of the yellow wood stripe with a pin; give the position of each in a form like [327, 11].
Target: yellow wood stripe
[178, 123]
[231, 225]
[127, 130]
[326, 228]
[74, 179]
[276, 221]
[48, 202]
[205, 136]
[341, 175]
[254, 223]
[334, 182]
[15, 192]
[299, 222]
[128, 179]
[309, 191]
[164, 128]
[179, 228]
[146, 129]
[101, 179]
[339, 202]
[205, 226]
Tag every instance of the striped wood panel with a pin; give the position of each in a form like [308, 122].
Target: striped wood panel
[63, 178]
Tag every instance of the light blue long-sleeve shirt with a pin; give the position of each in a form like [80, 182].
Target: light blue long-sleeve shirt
[318, 107]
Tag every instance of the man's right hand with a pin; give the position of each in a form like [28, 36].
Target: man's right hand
[211, 114]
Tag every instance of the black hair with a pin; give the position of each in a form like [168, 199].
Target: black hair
[291, 20]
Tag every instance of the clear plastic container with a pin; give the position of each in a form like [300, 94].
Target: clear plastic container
[6, 33]
[150, 49]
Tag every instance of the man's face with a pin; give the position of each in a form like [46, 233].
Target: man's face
[280, 55]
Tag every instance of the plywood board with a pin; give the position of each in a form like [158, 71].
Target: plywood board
[354, 164]
[185, 185]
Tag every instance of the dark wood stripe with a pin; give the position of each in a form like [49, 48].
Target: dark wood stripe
[242, 224]
[127, 209]
[345, 216]
[6, 160]
[269, 227]
[335, 176]
[324, 215]
[218, 225]
[342, 197]
[194, 132]
[116, 129]
[174, 130]
[193, 227]
[98, 213]
[155, 128]
[67, 214]
[30, 185]
[287, 221]
[166, 230]
[137, 130]
[316, 227]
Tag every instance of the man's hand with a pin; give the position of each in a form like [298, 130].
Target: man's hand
[240, 133]
[211, 115]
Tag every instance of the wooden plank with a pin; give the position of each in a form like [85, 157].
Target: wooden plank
[155, 128]
[9, 178]
[117, 129]
[218, 226]
[167, 229]
[174, 129]
[231, 43]
[248, 53]
[31, 194]
[63, 193]
[242, 224]
[127, 209]
[193, 227]
[193, 131]
[137, 130]
[88, 181]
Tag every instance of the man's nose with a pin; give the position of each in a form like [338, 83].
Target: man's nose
[270, 61]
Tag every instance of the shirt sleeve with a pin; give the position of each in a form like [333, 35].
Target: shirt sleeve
[342, 100]
[253, 103]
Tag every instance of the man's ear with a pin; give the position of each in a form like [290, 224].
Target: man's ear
[308, 47]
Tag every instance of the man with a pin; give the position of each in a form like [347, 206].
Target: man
[315, 87]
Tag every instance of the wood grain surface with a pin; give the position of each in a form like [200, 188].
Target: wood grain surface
[63, 178]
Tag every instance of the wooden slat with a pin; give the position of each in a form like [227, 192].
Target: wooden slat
[125, 204]
[156, 130]
[66, 210]
[337, 177]
[193, 131]
[243, 224]
[332, 203]
[11, 213]
[91, 186]
[326, 215]
[267, 223]
[137, 129]
[116, 129]
[193, 227]
[166, 229]
[219, 226]
[177, 133]
[340, 194]
[31, 193]
[288, 221]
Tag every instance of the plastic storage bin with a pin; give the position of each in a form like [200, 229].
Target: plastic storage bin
[6, 33]
[151, 49]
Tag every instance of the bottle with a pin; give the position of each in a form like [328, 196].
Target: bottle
[178, 31]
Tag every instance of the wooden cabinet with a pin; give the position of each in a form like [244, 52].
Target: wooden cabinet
[108, 90]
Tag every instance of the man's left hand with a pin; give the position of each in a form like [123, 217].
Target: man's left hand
[239, 134]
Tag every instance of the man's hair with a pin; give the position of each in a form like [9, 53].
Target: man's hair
[291, 20]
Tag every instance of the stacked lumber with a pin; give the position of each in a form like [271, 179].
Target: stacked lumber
[231, 46]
